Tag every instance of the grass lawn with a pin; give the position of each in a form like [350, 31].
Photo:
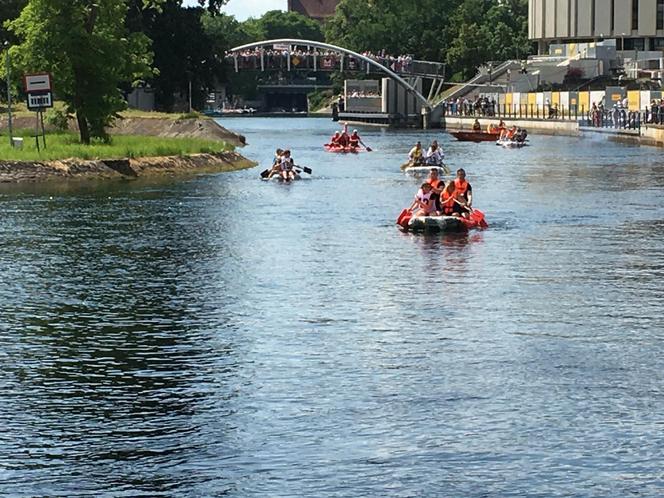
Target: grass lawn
[67, 145]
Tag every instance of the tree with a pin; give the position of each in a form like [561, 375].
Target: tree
[89, 52]
[276, 24]
[9, 11]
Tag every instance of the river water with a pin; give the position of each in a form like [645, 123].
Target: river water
[227, 336]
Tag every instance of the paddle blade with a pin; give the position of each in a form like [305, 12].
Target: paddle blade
[306, 170]
[478, 217]
[404, 218]
[264, 174]
[369, 149]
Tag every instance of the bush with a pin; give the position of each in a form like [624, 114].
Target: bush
[57, 119]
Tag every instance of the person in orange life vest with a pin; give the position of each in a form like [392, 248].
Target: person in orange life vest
[446, 201]
[436, 185]
[463, 193]
[511, 132]
[423, 201]
[354, 139]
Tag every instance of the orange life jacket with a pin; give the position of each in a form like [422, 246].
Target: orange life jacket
[447, 202]
[460, 187]
[434, 183]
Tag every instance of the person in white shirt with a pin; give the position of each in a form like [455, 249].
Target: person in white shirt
[435, 155]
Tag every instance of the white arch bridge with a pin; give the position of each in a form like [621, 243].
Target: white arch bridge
[408, 77]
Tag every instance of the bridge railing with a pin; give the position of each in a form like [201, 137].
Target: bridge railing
[272, 60]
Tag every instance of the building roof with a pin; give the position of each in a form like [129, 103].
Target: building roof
[317, 9]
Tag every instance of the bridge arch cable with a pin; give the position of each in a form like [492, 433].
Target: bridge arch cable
[334, 48]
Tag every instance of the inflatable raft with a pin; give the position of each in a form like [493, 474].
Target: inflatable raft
[424, 170]
[511, 144]
[434, 224]
[279, 178]
[342, 149]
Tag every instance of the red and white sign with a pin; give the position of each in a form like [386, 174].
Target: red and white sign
[35, 83]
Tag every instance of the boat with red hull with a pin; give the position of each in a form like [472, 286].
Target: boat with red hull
[475, 136]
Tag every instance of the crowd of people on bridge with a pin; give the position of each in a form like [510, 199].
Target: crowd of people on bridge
[274, 58]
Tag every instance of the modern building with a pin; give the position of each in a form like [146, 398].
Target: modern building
[316, 9]
[634, 24]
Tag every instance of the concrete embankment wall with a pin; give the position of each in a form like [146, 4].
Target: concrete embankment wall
[652, 135]
[546, 127]
[79, 169]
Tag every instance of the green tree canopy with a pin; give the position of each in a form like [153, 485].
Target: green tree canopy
[89, 52]
[278, 24]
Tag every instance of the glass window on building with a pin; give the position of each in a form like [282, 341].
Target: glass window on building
[635, 14]
[660, 14]
[657, 43]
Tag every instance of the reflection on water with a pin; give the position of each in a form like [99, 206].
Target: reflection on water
[223, 335]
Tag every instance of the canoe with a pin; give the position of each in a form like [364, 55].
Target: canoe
[342, 150]
[434, 224]
[475, 136]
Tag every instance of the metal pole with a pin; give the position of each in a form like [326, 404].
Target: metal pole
[189, 92]
[9, 98]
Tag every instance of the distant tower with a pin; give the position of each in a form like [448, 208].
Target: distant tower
[316, 9]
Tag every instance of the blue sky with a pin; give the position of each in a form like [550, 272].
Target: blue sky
[243, 9]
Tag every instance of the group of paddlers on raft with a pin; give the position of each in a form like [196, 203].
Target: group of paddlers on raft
[437, 198]
[503, 132]
[283, 165]
[341, 139]
[432, 157]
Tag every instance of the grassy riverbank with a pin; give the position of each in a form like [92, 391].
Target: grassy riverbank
[67, 145]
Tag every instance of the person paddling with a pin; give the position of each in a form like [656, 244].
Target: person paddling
[286, 166]
[276, 164]
[447, 202]
[435, 154]
[423, 202]
[463, 193]
[416, 154]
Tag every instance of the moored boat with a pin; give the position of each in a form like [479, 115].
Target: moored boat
[475, 136]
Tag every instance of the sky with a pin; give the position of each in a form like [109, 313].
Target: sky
[243, 9]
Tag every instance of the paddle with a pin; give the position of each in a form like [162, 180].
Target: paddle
[369, 149]
[404, 218]
[265, 174]
[304, 168]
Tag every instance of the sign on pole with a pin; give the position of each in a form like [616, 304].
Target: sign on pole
[36, 83]
[38, 101]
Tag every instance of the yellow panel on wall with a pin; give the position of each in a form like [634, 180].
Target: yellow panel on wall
[555, 98]
[634, 100]
[508, 99]
[532, 99]
[584, 101]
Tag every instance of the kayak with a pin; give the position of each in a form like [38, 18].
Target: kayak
[433, 224]
[475, 136]
[342, 149]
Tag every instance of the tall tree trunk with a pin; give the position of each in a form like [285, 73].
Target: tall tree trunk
[83, 128]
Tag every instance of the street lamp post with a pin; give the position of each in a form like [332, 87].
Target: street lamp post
[9, 98]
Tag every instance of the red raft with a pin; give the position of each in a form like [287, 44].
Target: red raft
[476, 136]
[342, 149]
[433, 224]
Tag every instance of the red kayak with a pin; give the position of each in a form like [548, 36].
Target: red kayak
[441, 223]
[476, 136]
[342, 149]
